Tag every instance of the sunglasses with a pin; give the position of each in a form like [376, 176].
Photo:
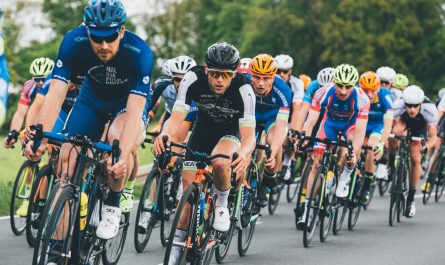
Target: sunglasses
[39, 79]
[410, 106]
[107, 39]
[177, 79]
[224, 74]
[344, 86]
[281, 71]
[384, 82]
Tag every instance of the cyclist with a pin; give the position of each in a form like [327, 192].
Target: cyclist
[379, 124]
[418, 115]
[346, 110]
[243, 67]
[117, 66]
[273, 99]
[40, 68]
[285, 64]
[400, 82]
[306, 80]
[387, 76]
[225, 124]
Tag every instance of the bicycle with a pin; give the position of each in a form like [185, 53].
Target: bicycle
[293, 184]
[322, 203]
[436, 177]
[243, 210]
[399, 185]
[161, 187]
[201, 239]
[41, 188]
[77, 242]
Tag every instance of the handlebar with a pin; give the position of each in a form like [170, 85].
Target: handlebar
[405, 138]
[326, 141]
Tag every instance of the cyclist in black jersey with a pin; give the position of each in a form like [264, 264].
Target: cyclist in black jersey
[225, 124]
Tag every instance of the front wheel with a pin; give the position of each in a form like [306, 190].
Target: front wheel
[115, 246]
[313, 204]
[339, 216]
[383, 186]
[275, 194]
[354, 212]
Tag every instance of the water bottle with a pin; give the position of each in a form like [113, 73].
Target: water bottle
[83, 210]
[201, 213]
[329, 181]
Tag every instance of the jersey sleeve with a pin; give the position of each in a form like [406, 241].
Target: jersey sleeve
[145, 61]
[45, 87]
[185, 93]
[156, 91]
[25, 94]
[249, 101]
[285, 94]
[364, 105]
[63, 67]
[298, 91]
[310, 91]
[318, 98]
[429, 112]
[399, 108]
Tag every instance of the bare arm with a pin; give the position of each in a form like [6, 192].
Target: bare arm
[248, 141]
[279, 136]
[359, 136]
[387, 126]
[34, 110]
[311, 121]
[19, 116]
[432, 136]
[295, 116]
[304, 109]
[51, 106]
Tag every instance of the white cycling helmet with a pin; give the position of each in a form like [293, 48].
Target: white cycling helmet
[326, 76]
[413, 95]
[284, 61]
[441, 93]
[386, 73]
[166, 67]
[182, 64]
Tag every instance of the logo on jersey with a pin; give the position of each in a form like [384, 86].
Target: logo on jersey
[59, 63]
[146, 80]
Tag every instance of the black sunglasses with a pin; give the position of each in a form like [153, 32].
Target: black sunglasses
[410, 106]
[279, 71]
[344, 86]
[384, 82]
[177, 79]
[107, 39]
[39, 79]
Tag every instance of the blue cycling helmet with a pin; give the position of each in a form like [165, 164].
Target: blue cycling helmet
[104, 17]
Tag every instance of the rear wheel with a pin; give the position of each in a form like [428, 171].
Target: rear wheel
[340, 212]
[299, 206]
[327, 214]
[383, 186]
[115, 246]
[274, 199]
[141, 234]
[354, 213]
[20, 195]
[226, 238]
[294, 181]
[313, 204]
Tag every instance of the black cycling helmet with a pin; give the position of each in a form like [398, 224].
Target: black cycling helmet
[222, 55]
[104, 14]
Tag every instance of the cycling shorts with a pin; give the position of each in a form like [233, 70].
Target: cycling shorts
[374, 128]
[60, 122]
[329, 130]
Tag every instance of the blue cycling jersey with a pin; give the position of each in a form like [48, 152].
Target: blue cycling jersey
[381, 104]
[71, 95]
[107, 85]
[310, 91]
[274, 106]
[127, 73]
[169, 96]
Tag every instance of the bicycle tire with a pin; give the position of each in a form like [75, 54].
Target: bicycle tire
[274, 199]
[440, 187]
[31, 233]
[18, 225]
[354, 213]
[430, 181]
[89, 240]
[66, 195]
[141, 244]
[190, 195]
[118, 240]
[306, 172]
[383, 186]
[167, 210]
[339, 216]
[245, 236]
[313, 207]
[371, 195]
[327, 216]
[291, 190]
[226, 238]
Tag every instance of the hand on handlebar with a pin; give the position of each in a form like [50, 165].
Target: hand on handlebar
[351, 159]
[118, 170]
[29, 152]
[159, 145]
[239, 164]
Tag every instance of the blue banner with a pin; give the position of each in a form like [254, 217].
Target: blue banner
[4, 76]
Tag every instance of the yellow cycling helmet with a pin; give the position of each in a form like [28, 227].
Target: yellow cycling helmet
[41, 66]
[263, 64]
[400, 81]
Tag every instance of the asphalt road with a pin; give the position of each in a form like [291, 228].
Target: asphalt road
[419, 240]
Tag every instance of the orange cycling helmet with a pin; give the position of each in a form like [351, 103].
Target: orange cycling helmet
[306, 80]
[263, 64]
[369, 81]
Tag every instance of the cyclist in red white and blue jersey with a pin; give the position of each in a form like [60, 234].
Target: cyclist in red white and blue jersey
[346, 110]
[273, 102]
[117, 65]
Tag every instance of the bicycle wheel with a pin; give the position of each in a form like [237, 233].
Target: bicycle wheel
[430, 181]
[167, 210]
[294, 181]
[383, 186]
[56, 231]
[299, 206]
[394, 207]
[20, 196]
[141, 235]
[371, 195]
[327, 214]
[313, 205]
[249, 212]
[188, 202]
[36, 204]
[274, 199]
[440, 181]
[354, 212]
[89, 241]
[340, 211]
[115, 246]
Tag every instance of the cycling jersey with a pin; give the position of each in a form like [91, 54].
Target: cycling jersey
[274, 106]
[218, 115]
[310, 91]
[340, 116]
[428, 116]
[397, 93]
[28, 92]
[71, 95]
[441, 105]
[297, 87]
[381, 106]
[106, 87]
[158, 88]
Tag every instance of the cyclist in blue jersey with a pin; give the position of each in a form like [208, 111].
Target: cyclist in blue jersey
[346, 110]
[273, 101]
[117, 66]
[379, 124]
